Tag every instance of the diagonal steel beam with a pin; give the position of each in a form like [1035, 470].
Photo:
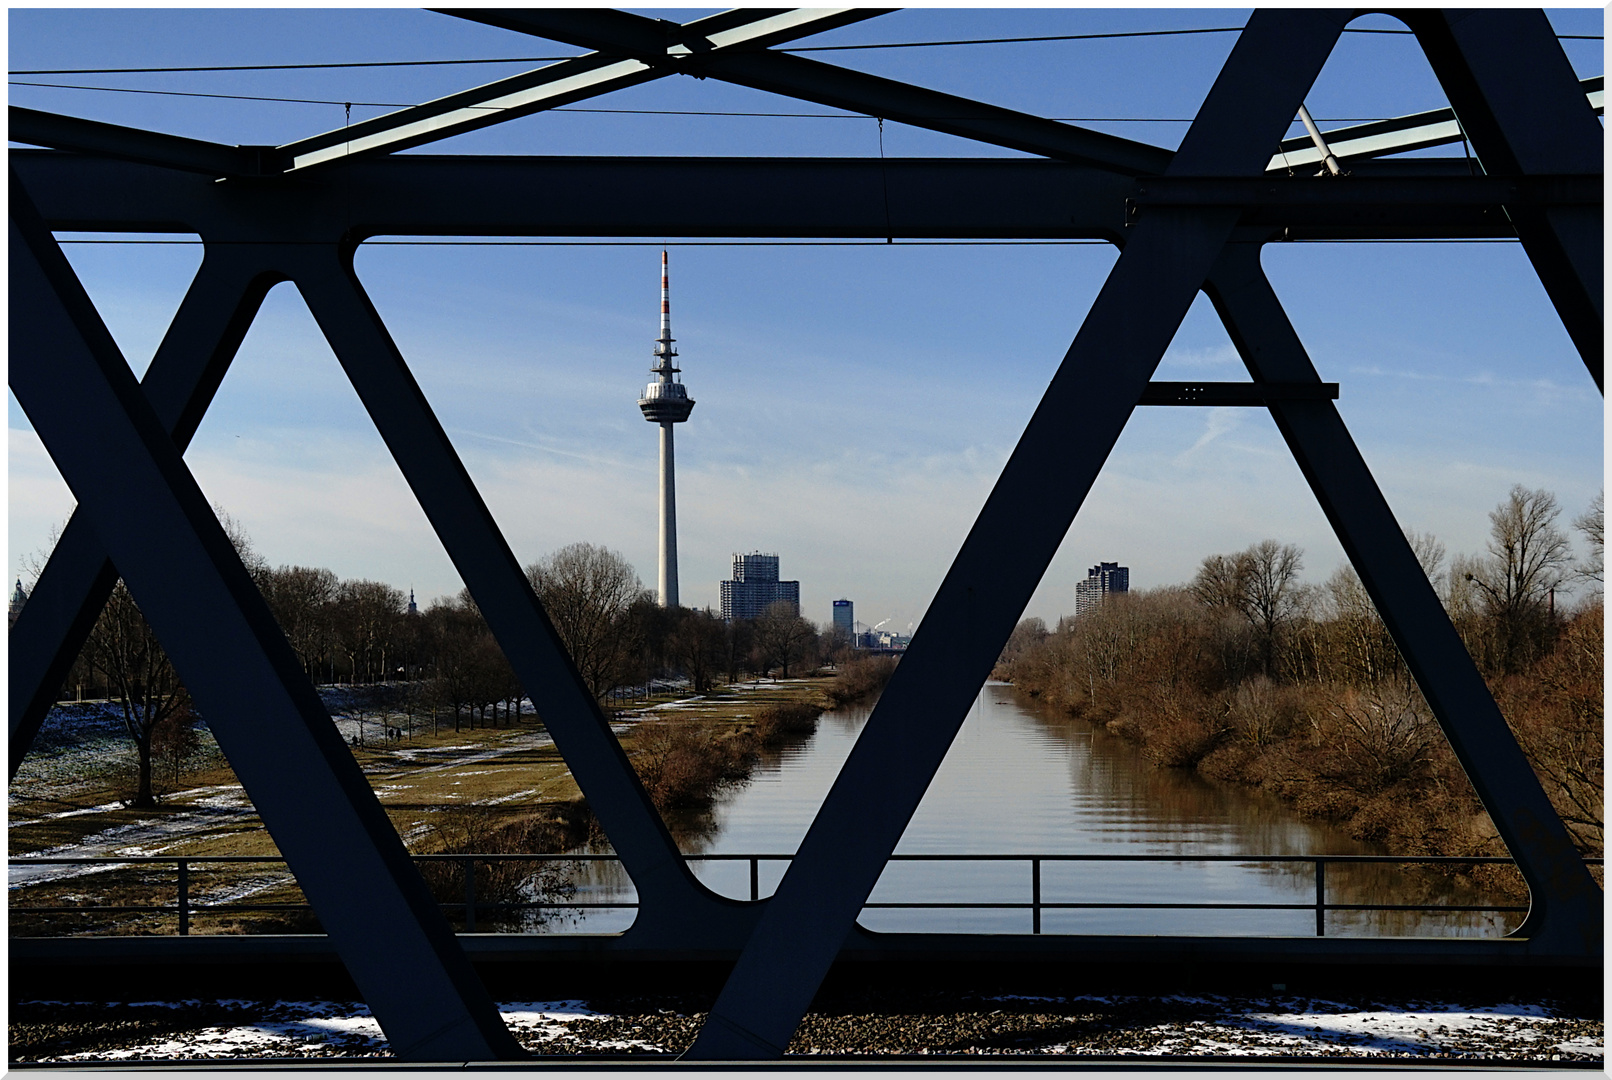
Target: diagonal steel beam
[111, 448]
[1566, 915]
[462, 521]
[185, 373]
[841, 88]
[1515, 93]
[1104, 374]
[101, 139]
[1418, 131]
[562, 83]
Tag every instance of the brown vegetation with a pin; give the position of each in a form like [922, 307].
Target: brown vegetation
[484, 831]
[859, 680]
[1250, 678]
[684, 764]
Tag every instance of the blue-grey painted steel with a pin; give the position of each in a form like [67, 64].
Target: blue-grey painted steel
[709, 197]
[1105, 372]
[115, 455]
[1176, 232]
[73, 586]
[825, 84]
[1566, 913]
[561, 83]
[1515, 93]
[671, 894]
[128, 144]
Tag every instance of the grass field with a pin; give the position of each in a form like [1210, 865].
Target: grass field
[482, 789]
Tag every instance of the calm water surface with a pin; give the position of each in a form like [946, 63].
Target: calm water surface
[1019, 782]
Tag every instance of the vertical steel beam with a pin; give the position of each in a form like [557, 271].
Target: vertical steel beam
[185, 373]
[1073, 430]
[462, 521]
[1520, 103]
[134, 488]
[1566, 912]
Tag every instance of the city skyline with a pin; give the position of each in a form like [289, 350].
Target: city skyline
[857, 402]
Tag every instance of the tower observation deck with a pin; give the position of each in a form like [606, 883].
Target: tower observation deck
[665, 401]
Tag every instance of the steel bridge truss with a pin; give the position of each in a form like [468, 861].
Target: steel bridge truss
[1184, 221]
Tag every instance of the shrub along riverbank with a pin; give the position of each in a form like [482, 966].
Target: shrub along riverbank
[684, 762]
[1306, 699]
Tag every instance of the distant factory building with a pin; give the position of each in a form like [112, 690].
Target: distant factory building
[1101, 580]
[844, 620]
[755, 587]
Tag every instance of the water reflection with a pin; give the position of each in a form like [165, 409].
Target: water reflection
[1019, 782]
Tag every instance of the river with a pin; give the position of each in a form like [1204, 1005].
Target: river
[1016, 782]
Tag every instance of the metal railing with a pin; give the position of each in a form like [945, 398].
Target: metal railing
[184, 908]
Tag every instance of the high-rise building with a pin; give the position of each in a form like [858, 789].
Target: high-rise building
[755, 587]
[844, 619]
[1101, 580]
[666, 402]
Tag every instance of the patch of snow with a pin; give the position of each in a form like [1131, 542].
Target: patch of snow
[510, 798]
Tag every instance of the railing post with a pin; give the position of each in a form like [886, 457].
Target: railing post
[470, 896]
[1320, 898]
[184, 898]
[755, 877]
[1035, 896]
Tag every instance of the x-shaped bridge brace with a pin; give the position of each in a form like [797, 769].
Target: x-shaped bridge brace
[1196, 222]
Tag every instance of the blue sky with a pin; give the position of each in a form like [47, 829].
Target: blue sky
[854, 403]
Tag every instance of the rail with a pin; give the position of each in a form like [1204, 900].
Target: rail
[184, 907]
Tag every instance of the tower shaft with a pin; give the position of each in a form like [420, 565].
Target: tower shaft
[666, 402]
[668, 519]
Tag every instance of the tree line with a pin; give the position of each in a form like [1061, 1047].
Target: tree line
[441, 664]
[1250, 676]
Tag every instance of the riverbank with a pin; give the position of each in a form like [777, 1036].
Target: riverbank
[479, 789]
[1364, 755]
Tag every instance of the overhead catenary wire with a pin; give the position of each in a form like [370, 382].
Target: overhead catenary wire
[635, 112]
[354, 64]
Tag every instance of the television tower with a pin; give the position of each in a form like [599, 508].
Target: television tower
[666, 402]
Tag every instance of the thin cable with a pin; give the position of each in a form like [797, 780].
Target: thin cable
[648, 112]
[291, 67]
[1095, 37]
[197, 94]
[802, 48]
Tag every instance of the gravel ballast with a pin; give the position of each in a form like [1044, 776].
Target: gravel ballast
[869, 1025]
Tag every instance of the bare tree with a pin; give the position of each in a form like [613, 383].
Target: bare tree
[587, 592]
[697, 645]
[1592, 524]
[1528, 558]
[1261, 584]
[367, 614]
[783, 637]
[139, 679]
[302, 598]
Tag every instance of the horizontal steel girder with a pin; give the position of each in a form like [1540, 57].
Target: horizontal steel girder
[978, 198]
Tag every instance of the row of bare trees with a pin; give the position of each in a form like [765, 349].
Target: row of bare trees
[1247, 674]
[366, 634]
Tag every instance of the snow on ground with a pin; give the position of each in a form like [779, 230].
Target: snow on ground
[78, 734]
[1178, 1025]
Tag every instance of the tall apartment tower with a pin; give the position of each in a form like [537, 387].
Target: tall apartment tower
[755, 587]
[1101, 580]
[666, 402]
[844, 619]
